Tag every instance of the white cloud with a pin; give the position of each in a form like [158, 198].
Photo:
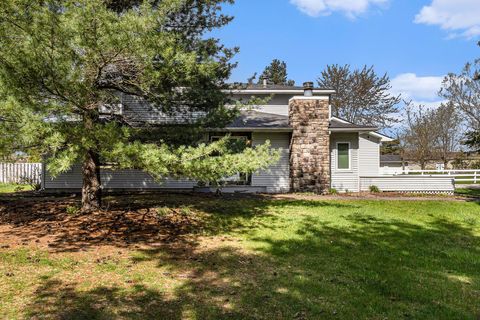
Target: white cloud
[351, 8]
[422, 89]
[458, 17]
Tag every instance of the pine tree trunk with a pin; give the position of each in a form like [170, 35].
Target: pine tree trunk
[91, 189]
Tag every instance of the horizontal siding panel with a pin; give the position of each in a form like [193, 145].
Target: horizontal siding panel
[277, 177]
[346, 180]
[408, 183]
[369, 155]
[274, 109]
[274, 179]
[115, 179]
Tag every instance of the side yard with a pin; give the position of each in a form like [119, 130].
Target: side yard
[200, 257]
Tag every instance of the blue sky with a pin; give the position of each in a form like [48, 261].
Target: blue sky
[416, 42]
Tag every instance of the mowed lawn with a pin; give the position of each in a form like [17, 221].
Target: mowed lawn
[244, 258]
[9, 187]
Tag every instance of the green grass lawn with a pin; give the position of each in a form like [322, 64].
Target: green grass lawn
[470, 192]
[9, 187]
[263, 259]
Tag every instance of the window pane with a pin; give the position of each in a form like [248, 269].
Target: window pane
[343, 156]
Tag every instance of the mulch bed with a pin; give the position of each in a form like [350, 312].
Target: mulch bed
[54, 223]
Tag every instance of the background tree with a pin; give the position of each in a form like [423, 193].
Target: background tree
[276, 73]
[446, 129]
[392, 147]
[362, 96]
[417, 136]
[62, 62]
[463, 92]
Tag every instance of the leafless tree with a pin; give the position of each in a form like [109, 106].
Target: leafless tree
[417, 134]
[362, 96]
[431, 133]
[446, 127]
[463, 92]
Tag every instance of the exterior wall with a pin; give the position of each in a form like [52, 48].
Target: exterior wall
[368, 155]
[345, 180]
[276, 179]
[138, 111]
[275, 109]
[118, 179]
[276, 104]
[409, 184]
[276, 99]
[309, 147]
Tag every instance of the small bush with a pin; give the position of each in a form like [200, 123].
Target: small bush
[374, 189]
[72, 210]
[333, 191]
[163, 211]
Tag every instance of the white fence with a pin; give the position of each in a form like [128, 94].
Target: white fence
[409, 183]
[459, 176]
[393, 170]
[21, 173]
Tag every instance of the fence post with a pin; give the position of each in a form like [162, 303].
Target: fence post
[475, 177]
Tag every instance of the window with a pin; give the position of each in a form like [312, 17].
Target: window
[343, 155]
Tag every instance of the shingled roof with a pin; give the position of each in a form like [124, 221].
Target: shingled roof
[337, 123]
[252, 119]
[259, 86]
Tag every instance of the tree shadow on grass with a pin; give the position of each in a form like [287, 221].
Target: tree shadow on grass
[58, 300]
[373, 269]
[150, 219]
[366, 268]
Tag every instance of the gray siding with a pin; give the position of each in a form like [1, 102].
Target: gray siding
[275, 109]
[114, 179]
[277, 177]
[409, 183]
[368, 155]
[138, 111]
[343, 180]
[275, 99]
[276, 104]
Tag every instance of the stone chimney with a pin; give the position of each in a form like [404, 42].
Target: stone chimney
[310, 143]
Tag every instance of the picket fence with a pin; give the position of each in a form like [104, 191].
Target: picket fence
[21, 173]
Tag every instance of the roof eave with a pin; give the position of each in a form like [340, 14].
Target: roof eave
[252, 129]
[258, 129]
[352, 129]
[278, 91]
[382, 137]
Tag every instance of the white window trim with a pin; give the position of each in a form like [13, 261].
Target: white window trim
[349, 157]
